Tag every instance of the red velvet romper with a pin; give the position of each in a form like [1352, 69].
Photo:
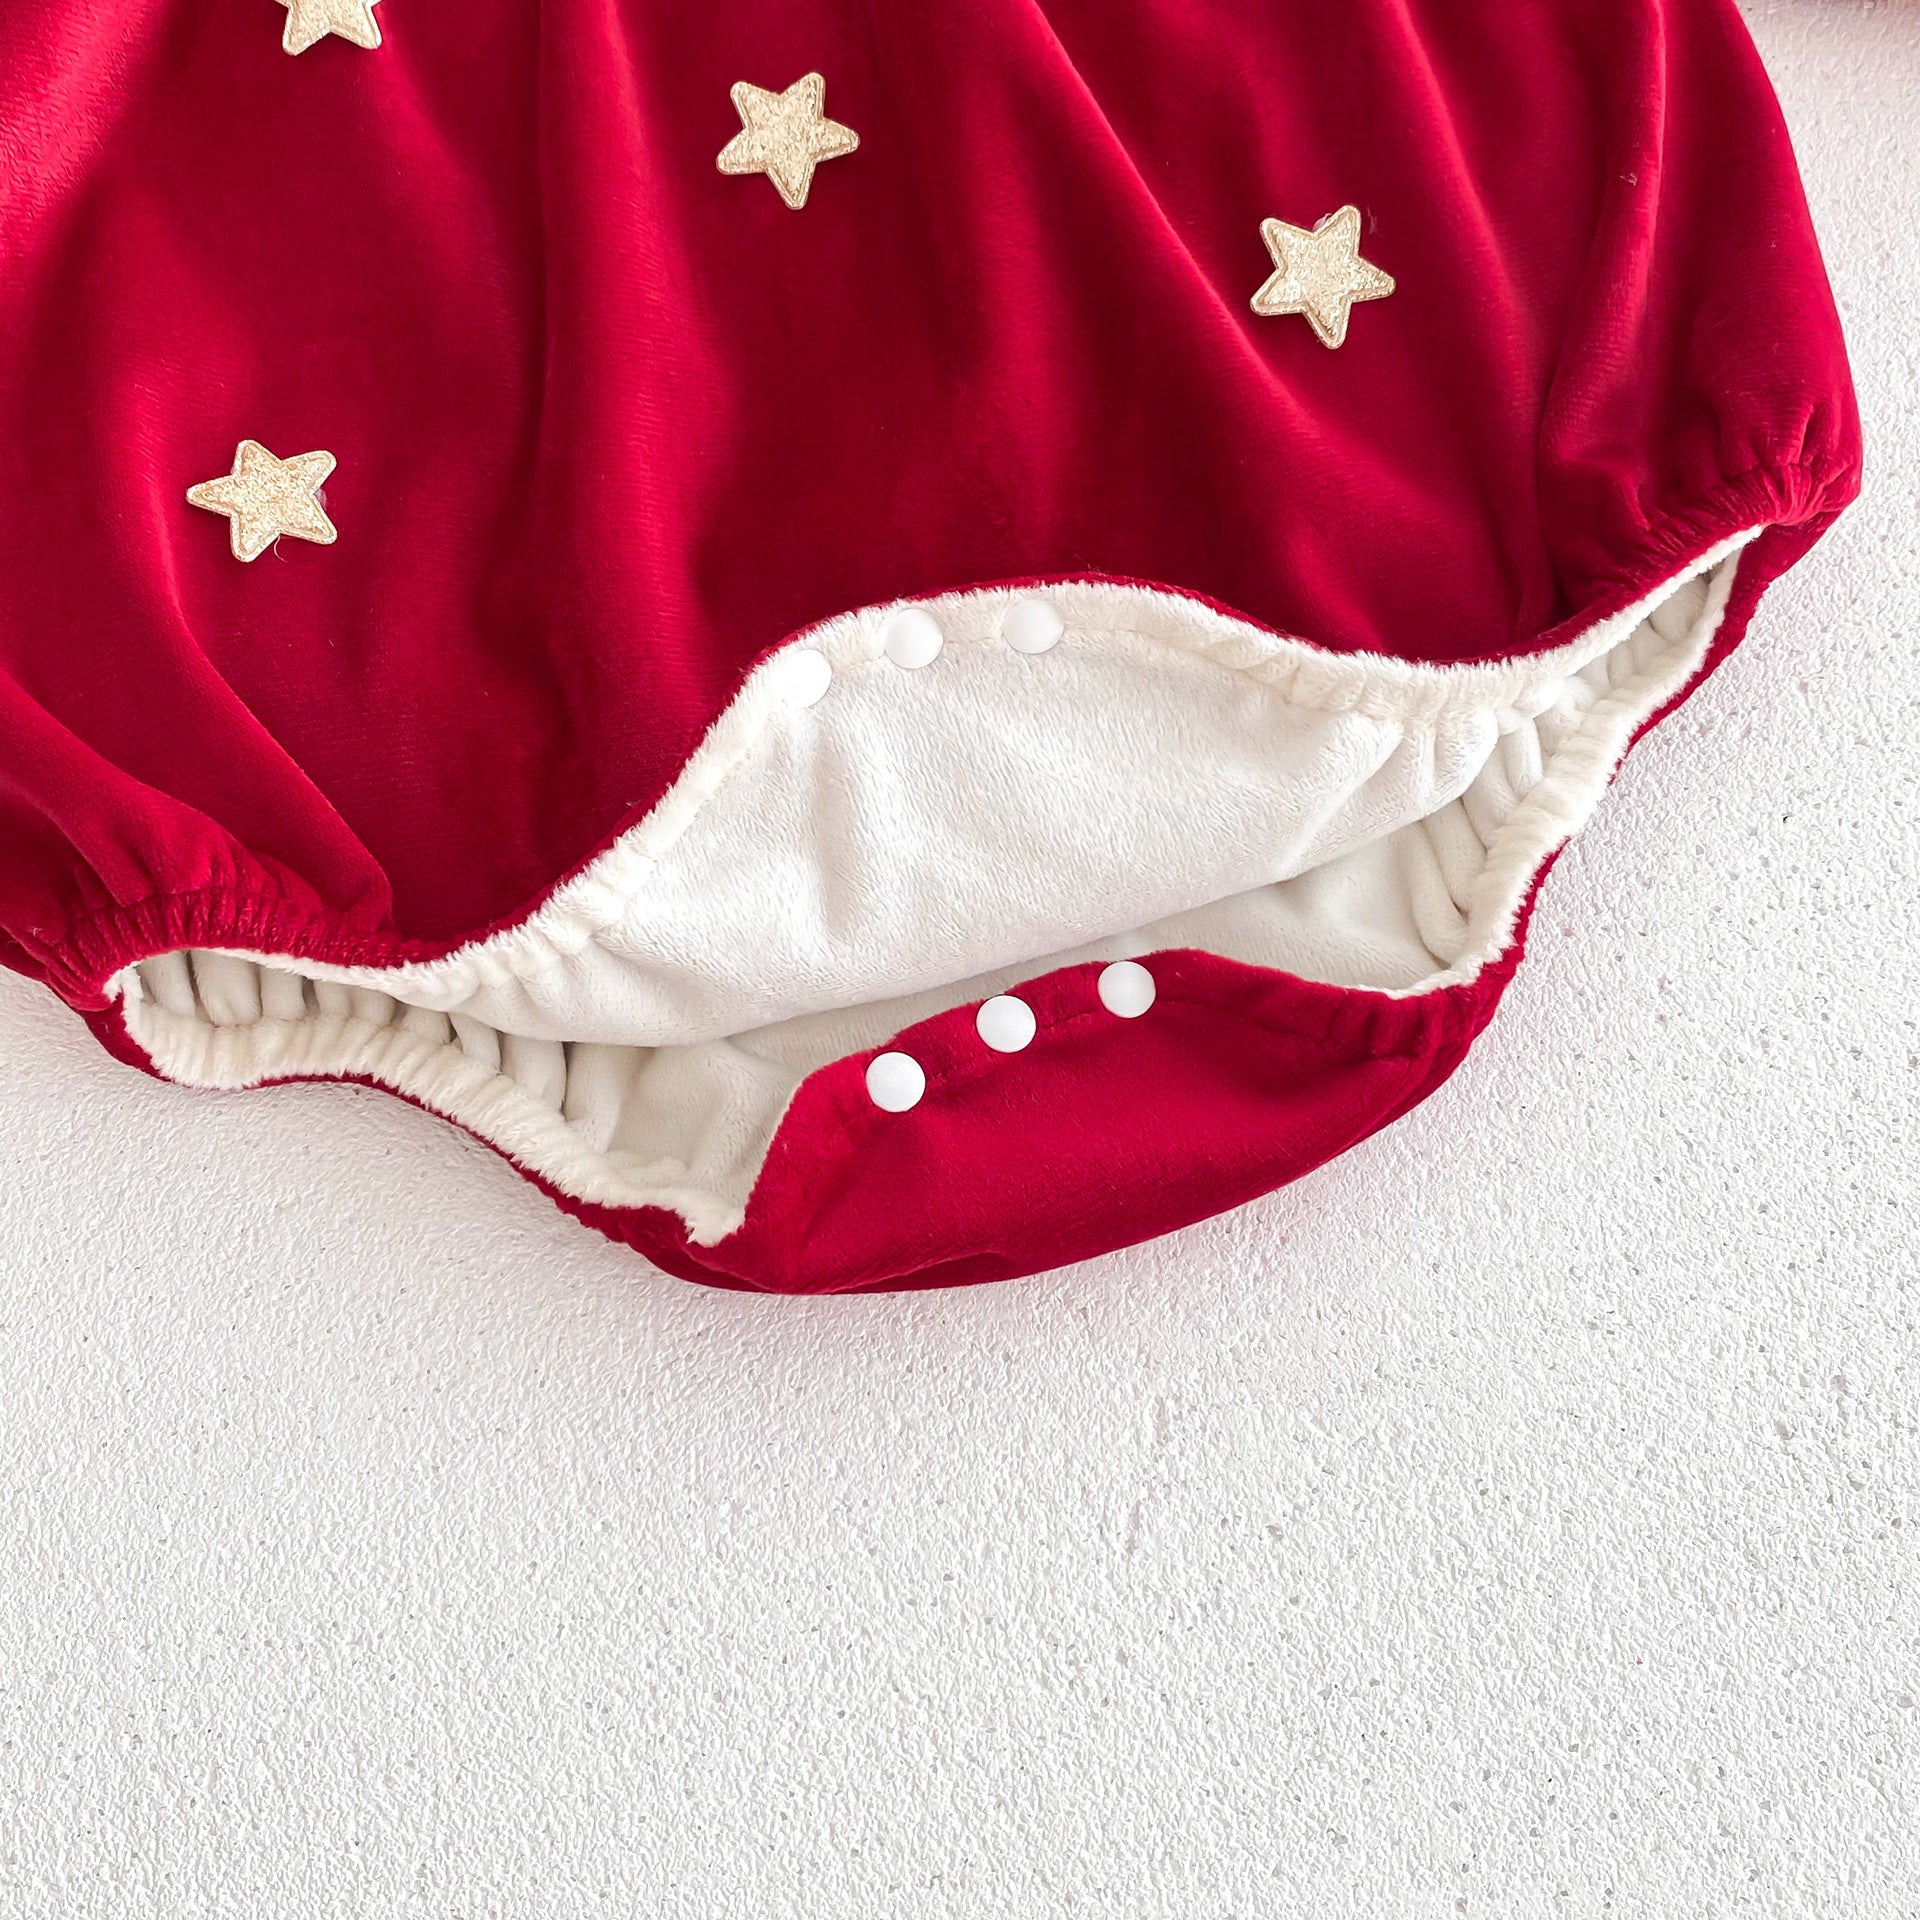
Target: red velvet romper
[892, 645]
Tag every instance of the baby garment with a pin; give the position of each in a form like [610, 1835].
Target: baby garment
[891, 645]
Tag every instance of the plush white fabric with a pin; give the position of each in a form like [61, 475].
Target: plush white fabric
[832, 868]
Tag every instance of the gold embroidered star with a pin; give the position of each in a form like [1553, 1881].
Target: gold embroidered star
[1319, 273]
[265, 498]
[311, 20]
[785, 136]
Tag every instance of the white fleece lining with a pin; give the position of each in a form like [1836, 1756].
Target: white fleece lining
[822, 876]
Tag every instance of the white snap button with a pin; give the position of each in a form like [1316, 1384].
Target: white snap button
[1004, 1023]
[1126, 988]
[1032, 626]
[913, 638]
[895, 1082]
[809, 675]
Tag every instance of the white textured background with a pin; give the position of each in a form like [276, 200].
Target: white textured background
[1518, 1517]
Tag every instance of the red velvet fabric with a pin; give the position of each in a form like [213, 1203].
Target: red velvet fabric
[1106, 1132]
[611, 424]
